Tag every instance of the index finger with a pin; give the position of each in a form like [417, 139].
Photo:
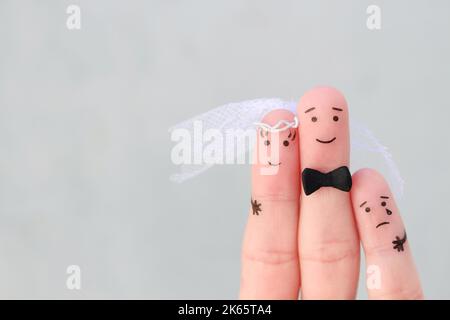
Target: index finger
[270, 265]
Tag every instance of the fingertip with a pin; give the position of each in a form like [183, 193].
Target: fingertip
[367, 173]
[273, 117]
[324, 95]
[368, 181]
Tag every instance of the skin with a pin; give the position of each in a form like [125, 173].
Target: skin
[320, 245]
[270, 264]
[378, 227]
[328, 240]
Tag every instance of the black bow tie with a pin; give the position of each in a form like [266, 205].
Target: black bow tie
[339, 178]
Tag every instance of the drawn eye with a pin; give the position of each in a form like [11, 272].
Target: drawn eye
[383, 204]
[285, 143]
[335, 118]
[367, 209]
[267, 142]
[314, 119]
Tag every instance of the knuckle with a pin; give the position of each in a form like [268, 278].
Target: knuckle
[270, 257]
[331, 252]
[380, 249]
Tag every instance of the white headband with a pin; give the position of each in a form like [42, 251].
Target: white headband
[280, 126]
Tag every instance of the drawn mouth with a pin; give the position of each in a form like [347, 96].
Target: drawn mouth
[382, 224]
[274, 165]
[326, 141]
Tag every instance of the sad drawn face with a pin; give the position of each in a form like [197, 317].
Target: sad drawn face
[380, 210]
[377, 215]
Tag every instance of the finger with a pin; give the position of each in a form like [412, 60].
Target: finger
[391, 270]
[270, 267]
[328, 241]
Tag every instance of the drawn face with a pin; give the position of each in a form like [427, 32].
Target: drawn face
[376, 213]
[380, 209]
[323, 129]
[276, 145]
[315, 120]
[277, 156]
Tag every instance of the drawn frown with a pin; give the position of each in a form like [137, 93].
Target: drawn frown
[384, 221]
[383, 204]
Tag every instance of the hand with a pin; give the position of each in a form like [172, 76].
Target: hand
[309, 241]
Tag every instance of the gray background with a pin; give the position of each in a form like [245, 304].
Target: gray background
[85, 151]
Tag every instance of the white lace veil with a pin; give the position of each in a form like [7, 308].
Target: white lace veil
[366, 149]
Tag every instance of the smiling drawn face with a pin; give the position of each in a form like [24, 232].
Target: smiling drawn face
[323, 116]
[332, 115]
[277, 154]
[272, 145]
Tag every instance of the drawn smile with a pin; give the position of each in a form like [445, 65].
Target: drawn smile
[274, 165]
[382, 224]
[326, 141]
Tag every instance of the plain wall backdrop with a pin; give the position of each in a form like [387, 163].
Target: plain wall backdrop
[85, 149]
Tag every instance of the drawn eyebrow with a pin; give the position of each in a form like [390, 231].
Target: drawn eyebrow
[384, 197]
[293, 138]
[310, 109]
[337, 109]
[290, 134]
[263, 133]
[362, 204]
